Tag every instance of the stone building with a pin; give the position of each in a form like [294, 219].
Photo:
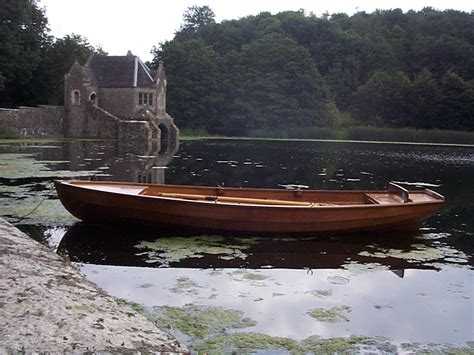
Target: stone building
[107, 97]
[121, 91]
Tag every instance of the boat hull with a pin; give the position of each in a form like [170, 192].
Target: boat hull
[97, 205]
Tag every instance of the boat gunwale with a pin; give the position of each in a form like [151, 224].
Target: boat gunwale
[83, 185]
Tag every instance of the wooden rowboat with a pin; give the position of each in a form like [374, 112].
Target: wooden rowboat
[249, 210]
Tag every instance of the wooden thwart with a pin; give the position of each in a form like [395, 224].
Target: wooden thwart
[253, 201]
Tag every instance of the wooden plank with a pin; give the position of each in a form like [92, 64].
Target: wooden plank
[253, 201]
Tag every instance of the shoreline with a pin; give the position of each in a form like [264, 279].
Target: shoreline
[47, 305]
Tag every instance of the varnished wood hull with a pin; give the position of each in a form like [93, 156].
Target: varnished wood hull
[335, 211]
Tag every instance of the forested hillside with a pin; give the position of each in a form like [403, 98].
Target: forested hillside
[289, 71]
[293, 69]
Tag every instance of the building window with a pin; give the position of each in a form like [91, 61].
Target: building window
[93, 98]
[76, 97]
[145, 99]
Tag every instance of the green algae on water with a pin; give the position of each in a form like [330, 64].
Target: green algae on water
[356, 268]
[254, 276]
[146, 285]
[248, 342]
[184, 285]
[201, 321]
[24, 166]
[419, 253]
[331, 315]
[320, 293]
[168, 250]
[349, 345]
[39, 210]
[136, 307]
[212, 329]
[417, 348]
[254, 342]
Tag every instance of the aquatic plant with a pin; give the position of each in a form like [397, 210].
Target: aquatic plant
[253, 342]
[184, 285]
[248, 342]
[320, 293]
[201, 321]
[317, 345]
[420, 253]
[24, 166]
[254, 276]
[332, 315]
[168, 250]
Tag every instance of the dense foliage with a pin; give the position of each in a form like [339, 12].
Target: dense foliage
[387, 68]
[288, 71]
[32, 63]
[23, 39]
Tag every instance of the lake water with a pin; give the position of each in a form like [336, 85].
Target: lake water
[386, 292]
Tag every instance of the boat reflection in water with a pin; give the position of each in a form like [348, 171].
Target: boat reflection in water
[107, 245]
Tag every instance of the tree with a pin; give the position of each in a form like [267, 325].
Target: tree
[424, 101]
[457, 102]
[193, 72]
[56, 61]
[23, 39]
[195, 18]
[386, 67]
[383, 100]
[273, 83]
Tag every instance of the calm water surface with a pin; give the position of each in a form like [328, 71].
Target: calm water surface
[394, 292]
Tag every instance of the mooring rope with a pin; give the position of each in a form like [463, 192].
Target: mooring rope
[51, 188]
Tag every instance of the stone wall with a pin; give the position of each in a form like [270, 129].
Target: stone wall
[90, 122]
[42, 121]
[82, 121]
[134, 130]
[118, 101]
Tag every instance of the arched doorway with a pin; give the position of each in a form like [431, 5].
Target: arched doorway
[93, 98]
[165, 138]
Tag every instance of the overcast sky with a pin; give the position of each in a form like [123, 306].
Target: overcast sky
[138, 25]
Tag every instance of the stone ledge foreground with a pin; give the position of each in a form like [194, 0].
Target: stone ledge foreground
[46, 305]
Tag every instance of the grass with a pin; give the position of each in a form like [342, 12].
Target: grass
[355, 133]
[362, 133]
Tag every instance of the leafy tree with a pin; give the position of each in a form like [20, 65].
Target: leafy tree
[23, 39]
[195, 18]
[383, 100]
[193, 73]
[457, 103]
[273, 82]
[424, 100]
[57, 60]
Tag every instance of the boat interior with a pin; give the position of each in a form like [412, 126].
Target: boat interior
[395, 194]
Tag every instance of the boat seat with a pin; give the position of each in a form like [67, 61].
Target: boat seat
[383, 198]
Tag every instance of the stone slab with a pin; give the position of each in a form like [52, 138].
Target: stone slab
[46, 305]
